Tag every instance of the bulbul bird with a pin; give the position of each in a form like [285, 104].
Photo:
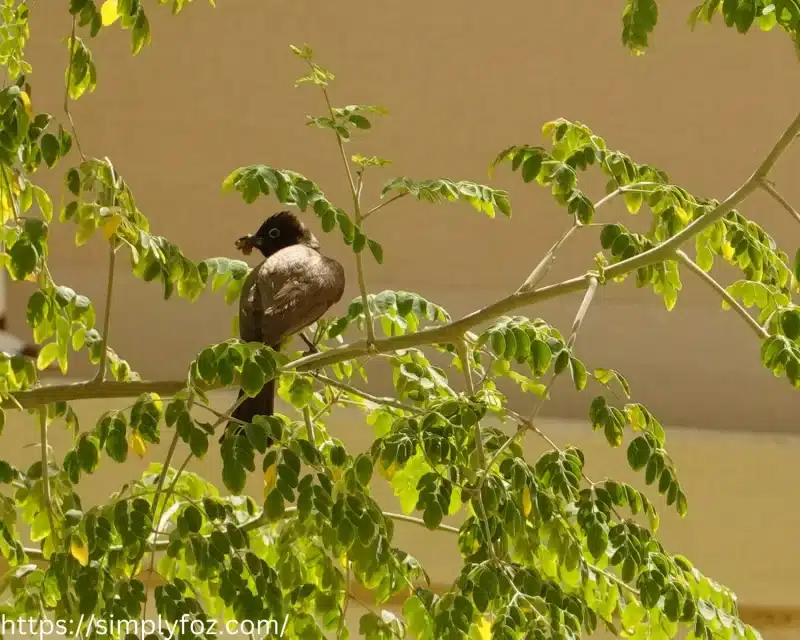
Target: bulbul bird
[290, 290]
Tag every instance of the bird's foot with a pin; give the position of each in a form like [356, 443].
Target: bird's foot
[312, 348]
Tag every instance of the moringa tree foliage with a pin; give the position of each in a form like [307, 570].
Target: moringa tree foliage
[547, 552]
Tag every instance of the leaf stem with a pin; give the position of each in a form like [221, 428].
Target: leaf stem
[542, 269]
[343, 619]
[723, 293]
[389, 402]
[46, 495]
[72, 41]
[356, 196]
[101, 371]
[381, 205]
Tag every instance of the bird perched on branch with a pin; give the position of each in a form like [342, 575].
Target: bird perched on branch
[290, 290]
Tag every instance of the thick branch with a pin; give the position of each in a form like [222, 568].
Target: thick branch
[727, 297]
[90, 391]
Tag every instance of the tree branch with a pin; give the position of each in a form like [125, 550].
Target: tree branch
[46, 496]
[664, 251]
[580, 316]
[723, 293]
[355, 194]
[381, 205]
[541, 269]
[769, 187]
[390, 402]
[32, 398]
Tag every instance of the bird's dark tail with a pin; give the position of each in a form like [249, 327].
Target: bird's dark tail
[262, 404]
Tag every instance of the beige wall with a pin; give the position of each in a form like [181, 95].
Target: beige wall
[216, 91]
[741, 528]
[462, 81]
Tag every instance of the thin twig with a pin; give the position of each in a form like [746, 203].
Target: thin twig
[404, 518]
[101, 371]
[354, 192]
[46, 495]
[389, 402]
[769, 187]
[343, 620]
[381, 205]
[310, 433]
[530, 424]
[724, 294]
[544, 266]
[580, 316]
[72, 42]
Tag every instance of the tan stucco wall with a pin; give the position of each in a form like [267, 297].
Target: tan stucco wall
[216, 91]
[462, 81]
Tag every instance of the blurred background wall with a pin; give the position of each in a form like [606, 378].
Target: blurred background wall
[215, 91]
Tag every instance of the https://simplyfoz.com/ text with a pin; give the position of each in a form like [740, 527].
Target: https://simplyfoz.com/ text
[41, 628]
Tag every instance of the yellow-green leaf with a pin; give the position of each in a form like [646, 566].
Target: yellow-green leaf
[137, 444]
[79, 550]
[47, 355]
[109, 12]
[270, 478]
[527, 505]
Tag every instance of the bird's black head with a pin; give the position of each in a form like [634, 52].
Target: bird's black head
[279, 231]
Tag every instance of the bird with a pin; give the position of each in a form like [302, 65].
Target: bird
[289, 290]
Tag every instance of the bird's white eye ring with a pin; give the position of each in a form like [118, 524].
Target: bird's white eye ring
[274, 233]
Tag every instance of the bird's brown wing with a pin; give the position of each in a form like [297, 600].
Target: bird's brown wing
[250, 309]
[295, 287]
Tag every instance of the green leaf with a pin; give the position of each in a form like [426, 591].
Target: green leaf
[47, 355]
[141, 31]
[376, 250]
[274, 505]
[638, 453]
[51, 147]
[301, 392]
[252, 378]
[578, 371]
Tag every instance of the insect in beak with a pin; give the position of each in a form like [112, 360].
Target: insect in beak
[245, 244]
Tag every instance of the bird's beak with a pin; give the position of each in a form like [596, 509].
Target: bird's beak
[245, 244]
